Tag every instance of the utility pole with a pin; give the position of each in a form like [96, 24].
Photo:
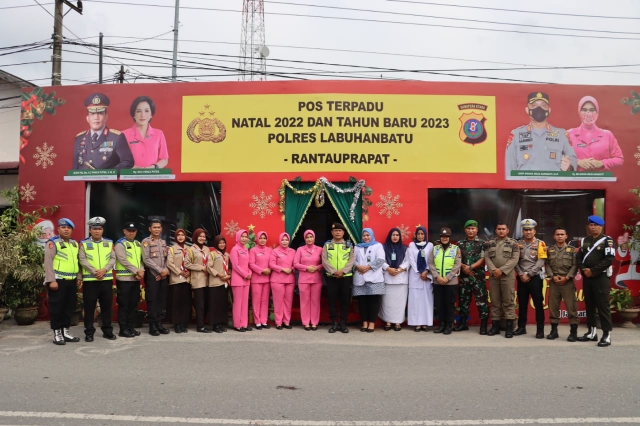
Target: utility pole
[56, 58]
[100, 61]
[121, 74]
[176, 23]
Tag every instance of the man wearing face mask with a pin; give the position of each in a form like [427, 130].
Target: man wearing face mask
[539, 145]
[597, 149]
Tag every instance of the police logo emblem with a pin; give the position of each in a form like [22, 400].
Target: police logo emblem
[204, 129]
[552, 155]
[472, 128]
[95, 100]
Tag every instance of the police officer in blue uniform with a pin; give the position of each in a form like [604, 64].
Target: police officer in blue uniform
[100, 147]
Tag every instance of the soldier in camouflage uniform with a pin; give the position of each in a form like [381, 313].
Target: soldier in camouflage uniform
[472, 280]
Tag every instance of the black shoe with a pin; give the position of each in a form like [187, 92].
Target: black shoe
[184, 329]
[88, 338]
[483, 327]
[448, 328]
[153, 330]
[266, 326]
[124, 332]
[495, 328]
[203, 330]
[314, 328]
[462, 326]
[287, 326]
[177, 329]
[540, 331]
[248, 329]
[508, 333]
[606, 339]
[133, 331]
[278, 327]
[307, 328]
[241, 330]
[109, 336]
[439, 329]
[370, 330]
[217, 329]
[554, 332]
[161, 328]
[573, 334]
[363, 329]
[589, 336]
[520, 331]
[334, 327]
[343, 327]
[258, 327]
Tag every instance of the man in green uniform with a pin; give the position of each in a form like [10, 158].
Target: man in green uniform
[337, 261]
[472, 280]
[594, 259]
[561, 267]
[501, 258]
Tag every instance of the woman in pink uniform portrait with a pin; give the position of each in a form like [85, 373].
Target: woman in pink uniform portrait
[148, 145]
[597, 149]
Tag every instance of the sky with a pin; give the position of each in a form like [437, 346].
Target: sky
[573, 41]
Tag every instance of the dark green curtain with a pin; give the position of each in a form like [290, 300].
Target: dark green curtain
[342, 204]
[296, 206]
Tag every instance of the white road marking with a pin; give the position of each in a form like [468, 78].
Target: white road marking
[209, 421]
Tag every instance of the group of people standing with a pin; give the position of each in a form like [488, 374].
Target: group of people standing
[387, 279]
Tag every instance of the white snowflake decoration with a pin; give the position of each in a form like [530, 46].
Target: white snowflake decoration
[637, 155]
[27, 193]
[231, 228]
[389, 205]
[262, 205]
[404, 231]
[44, 156]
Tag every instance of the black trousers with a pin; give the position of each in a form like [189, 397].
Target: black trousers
[339, 289]
[532, 288]
[128, 293]
[92, 291]
[201, 299]
[62, 303]
[596, 295]
[155, 293]
[181, 303]
[444, 301]
[369, 307]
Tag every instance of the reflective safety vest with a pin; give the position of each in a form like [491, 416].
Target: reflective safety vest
[444, 259]
[338, 255]
[98, 254]
[133, 250]
[65, 262]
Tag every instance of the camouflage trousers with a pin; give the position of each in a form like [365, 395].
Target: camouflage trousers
[478, 288]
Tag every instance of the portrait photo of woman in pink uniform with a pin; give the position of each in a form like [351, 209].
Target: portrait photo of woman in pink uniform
[148, 145]
[597, 149]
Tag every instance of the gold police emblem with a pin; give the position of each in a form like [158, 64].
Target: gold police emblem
[208, 129]
[96, 100]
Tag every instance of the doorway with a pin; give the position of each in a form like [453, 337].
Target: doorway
[319, 220]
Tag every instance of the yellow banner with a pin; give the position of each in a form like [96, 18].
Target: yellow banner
[338, 132]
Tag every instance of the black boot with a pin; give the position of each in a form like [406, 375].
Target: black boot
[334, 327]
[440, 329]
[483, 327]
[573, 334]
[343, 327]
[554, 332]
[508, 333]
[177, 328]
[520, 330]
[153, 330]
[606, 339]
[495, 328]
[463, 324]
[124, 331]
[448, 328]
[540, 331]
[133, 330]
[161, 328]
[589, 336]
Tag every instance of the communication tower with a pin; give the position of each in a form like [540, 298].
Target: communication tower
[253, 51]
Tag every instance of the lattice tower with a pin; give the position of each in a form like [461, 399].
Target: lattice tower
[253, 65]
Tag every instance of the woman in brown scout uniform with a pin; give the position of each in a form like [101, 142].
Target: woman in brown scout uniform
[219, 276]
[179, 282]
[196, 262]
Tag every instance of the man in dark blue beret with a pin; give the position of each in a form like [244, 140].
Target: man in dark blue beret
[100, 147]
[594, 259]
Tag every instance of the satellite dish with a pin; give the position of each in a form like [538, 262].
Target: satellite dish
[264, 51]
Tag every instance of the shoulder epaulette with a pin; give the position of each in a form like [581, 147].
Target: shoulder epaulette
[115, 132]
[107, 240]
[121, 240]
[86, 239]
[54, 238]
[81, 133]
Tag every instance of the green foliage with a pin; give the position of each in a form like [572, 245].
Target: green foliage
[634, 230]
[252, 239]
[21, 258]
[620, 299]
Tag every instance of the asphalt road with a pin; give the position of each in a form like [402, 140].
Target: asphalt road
[295, 377]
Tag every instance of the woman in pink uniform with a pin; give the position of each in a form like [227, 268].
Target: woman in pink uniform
[259, 257]
[308, 260]
[240, 277]
[282, 281]
[597, 149]
[148, 145]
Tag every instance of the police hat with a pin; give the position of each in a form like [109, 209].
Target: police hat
[469, 223]
[537, 96]
[338, 225]
[129, 226]
[445, 232]
[597, 220]
[66, 222]
[97, 102]
[96, 222]
[528, 224]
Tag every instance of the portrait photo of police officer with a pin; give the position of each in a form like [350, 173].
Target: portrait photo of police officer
[539, 146]
[100, 147]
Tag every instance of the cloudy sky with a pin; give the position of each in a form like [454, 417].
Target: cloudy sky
[570, 42]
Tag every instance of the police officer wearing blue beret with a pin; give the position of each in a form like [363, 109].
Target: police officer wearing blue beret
[100, 147]
[594, 259]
